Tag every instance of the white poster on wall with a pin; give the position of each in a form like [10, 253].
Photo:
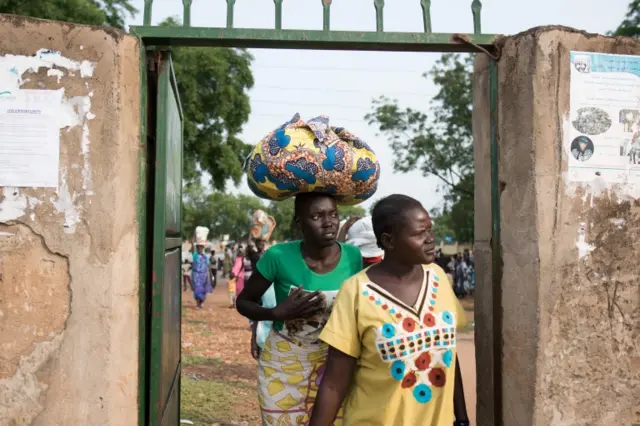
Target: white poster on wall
[29, 137]
[604, 140]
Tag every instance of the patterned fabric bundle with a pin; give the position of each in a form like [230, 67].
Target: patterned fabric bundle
[301, 157]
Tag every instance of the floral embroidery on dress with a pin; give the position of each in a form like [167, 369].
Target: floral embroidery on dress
[417, 342]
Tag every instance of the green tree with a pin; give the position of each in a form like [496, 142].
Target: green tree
[441, 227]
[282, 212]
[286, 229]
[349, 211]
[92, 12]
[223, 214]
[630, 26]
[439, 145]
[213, 84]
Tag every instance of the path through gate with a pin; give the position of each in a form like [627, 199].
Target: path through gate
[162, 129]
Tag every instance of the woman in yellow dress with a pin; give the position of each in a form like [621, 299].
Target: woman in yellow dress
[392, 333]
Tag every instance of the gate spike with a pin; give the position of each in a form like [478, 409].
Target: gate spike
[148, 5]
[278, 14]
[379, 5]
[476, 8]
[186, 16]
[426, 15]
[326, 15]
[230, 5]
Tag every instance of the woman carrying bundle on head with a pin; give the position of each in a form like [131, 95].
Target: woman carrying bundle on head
[321, 166]
[392, 333]
[306, 276]
[200, 276]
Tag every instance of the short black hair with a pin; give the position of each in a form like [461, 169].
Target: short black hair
[389, 212]
[304, 200]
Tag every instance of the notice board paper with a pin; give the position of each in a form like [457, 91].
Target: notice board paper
[604, 140]
[30, 138]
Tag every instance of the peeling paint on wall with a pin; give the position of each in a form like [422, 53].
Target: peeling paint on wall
[13, 205]
[65, 203]
[56, 73]
[12, 67]
[583, 247]
[74, 111]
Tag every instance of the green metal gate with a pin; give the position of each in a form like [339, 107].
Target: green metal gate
[160, 394]
[160, 343]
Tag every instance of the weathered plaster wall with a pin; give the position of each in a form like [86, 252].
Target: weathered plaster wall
[571, 324]
[68, 256]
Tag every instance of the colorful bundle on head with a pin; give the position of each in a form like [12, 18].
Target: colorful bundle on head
[262, 226]
[301, 157]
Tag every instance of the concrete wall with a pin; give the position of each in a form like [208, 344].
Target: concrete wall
[68, 256]
[571, 325]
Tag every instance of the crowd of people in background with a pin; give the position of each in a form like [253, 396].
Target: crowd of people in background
[461, 271]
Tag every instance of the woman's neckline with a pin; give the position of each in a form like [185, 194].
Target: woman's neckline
[324, 274]
[423, 288]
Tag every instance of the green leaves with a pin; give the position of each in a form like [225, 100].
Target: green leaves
[630, 27]
[231, 214]
[212, 83]
[439, 144]
[220, 212]
[92, 12]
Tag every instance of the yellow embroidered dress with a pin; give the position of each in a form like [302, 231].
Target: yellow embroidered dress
[406, 354]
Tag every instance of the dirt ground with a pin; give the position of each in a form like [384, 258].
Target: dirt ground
[219, 376]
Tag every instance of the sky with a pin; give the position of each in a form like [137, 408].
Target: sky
[343, 84]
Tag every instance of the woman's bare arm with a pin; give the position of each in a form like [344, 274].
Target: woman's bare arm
[248, 301]
[335, 384]
[459, 403]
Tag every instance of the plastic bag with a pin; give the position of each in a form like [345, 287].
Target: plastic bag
[301, 157]
[262, 226]
[202, 233]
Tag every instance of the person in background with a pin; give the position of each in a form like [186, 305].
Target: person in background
[255, 252]
[392, 357]
[200, 276]
[458, 274]
[186, 275]
[237, 276]
[468, 272]
[213, 269]
[260, 329]
[359, 232]
[306, 276]
[226, 271]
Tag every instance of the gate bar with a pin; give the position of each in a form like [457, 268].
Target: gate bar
[311, 39]
[496, 247]
[426, 15]
[326, 15]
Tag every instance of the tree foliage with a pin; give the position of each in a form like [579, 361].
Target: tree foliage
[630, 26]
[91, 12]
[213, 84]
[439, 144]
[231, 214]
[222, 213]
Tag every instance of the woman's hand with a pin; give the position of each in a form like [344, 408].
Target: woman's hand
[299, 305]
[255, 349]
